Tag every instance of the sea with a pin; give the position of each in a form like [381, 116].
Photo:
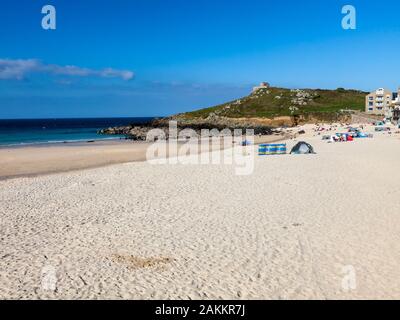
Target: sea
[25, 132]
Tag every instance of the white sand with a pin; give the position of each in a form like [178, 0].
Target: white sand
[18, 162]
[186, 231]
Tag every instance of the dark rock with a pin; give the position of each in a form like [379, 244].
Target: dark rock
[140, 133]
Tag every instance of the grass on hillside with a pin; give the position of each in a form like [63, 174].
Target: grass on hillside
[275, 102]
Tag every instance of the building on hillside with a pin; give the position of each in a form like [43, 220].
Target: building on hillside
[380, 102]
[263, 85]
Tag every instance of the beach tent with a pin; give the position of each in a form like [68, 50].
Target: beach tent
[302, 148]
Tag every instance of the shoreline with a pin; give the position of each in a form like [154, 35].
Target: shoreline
[36, 160]
[57, 143]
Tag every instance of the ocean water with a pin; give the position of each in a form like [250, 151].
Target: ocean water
[48, 131]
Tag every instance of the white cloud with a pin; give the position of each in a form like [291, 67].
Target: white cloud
[16, 69]
[19, 69]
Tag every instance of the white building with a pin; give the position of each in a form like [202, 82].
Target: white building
[382, 102]
[263, 85]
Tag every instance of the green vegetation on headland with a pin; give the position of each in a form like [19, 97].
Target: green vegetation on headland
[264, 109]
[280, 102]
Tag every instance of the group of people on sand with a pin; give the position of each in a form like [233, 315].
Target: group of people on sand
[332, 127]
[341, 138]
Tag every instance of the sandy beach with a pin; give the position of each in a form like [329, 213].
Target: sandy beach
[294, 229]
[46, 159]
[39, 160]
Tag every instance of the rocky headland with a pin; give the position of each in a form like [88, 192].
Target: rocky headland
[265, 110]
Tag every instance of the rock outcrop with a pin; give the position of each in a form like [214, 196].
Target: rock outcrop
[141, 133]
[136, 133]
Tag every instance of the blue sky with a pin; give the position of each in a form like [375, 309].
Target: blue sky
[154, 58]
